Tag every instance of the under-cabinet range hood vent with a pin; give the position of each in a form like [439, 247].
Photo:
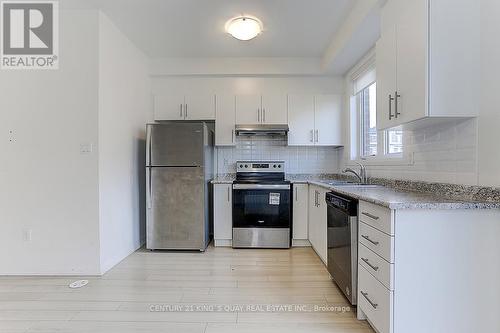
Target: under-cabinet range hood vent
[262, 129]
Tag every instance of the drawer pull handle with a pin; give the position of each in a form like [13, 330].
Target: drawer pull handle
[375, 268]
[370, 216]
[371, 241]
[365, 295]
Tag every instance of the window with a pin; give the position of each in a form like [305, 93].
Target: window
[394, 142]
[367, 106]
[372, 143]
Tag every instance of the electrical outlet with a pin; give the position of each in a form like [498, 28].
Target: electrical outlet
[85, 148]
[12, 137]
[27, 235]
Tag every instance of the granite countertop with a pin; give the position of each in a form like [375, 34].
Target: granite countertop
[393, 198]
[394, 195]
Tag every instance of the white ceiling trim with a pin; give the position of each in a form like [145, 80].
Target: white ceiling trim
[255, 66]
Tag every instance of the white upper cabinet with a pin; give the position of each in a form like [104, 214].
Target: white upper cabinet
[428, 61]
[199, 107]
[225, 120]
[301, 120]
[248, 109]
[169, 107]
[274, 109]
[257, 109]
[315, 120]
[328, 120]
[184, 107]
[386, 70]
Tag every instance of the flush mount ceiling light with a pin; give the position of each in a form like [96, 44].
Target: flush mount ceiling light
[244, 27]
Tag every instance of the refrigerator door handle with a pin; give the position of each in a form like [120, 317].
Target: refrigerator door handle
[149, 191]
[148, 145]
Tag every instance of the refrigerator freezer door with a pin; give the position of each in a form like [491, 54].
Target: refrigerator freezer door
[176, 144]
[176, 210]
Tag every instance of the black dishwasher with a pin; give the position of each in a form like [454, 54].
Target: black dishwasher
[342, 240]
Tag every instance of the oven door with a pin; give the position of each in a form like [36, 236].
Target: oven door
[261, 206]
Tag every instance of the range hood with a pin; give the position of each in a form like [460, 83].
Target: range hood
[260, 129]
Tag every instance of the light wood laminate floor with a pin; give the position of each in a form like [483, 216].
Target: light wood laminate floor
[123, 300]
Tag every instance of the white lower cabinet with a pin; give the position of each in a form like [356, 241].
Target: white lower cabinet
[223, 214]
[300, 214]
[318, 221]
[428, 270]
[375, 300]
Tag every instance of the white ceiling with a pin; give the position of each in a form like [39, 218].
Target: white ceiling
[195, 28]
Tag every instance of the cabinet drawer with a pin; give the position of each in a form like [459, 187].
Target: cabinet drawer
[378, 267]
[375, 301]
[379, 217]
[380, 243]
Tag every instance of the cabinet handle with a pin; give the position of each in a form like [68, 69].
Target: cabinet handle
[370, 216]
[317, 136]
[258, 115]
[180, 113]
[263, 115]
[312, 135]
[365, 295]
[375, 268]
[371, 241]
[296, 195]
[185, 111]
[390, 107]
[232, 136]
[228, 194]
[396, 96]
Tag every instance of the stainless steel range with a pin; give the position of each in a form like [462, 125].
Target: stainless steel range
[261, 205]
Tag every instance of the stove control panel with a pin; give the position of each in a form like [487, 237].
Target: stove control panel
[259, 166]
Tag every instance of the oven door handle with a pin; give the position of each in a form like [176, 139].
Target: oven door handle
[260, 187]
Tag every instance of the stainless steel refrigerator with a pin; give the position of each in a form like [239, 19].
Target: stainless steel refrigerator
[179, 167]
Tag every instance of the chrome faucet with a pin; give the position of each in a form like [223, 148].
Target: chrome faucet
[361, 175]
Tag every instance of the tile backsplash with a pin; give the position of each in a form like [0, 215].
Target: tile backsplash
[297, 159]
[445, 152]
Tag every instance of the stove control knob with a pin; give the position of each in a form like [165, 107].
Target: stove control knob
[274, 166]
[246, 166]
[241, 166]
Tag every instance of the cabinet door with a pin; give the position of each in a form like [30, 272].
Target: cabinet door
[200, 107]
[300, 211]
[223, 221]
[312, 220]
[386, 67]
[248, 109]
[328, 120]
[322, 226]
[169, 107]
[274, 109]
[301, 120]
[225, 121]
[412, 50]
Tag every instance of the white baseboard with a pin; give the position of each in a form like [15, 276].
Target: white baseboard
[300, 243]
[223, 243]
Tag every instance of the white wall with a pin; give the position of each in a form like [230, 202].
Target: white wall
[124, 109]
[48, 186]
[298, 159]
[489, 120]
